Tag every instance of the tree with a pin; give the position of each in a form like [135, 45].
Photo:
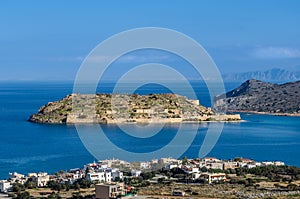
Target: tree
[30, 184]
[68, 186]
[204, 169]
[23, 195]
[185, 161]
[237, 159]
[77, 186]
[140, 179]
[17, 187]
[118, 179]
[77, 195]
[87, 170]
[54, 195]
[55, 185]
[293, 187]
[84, 183]
[160, 180]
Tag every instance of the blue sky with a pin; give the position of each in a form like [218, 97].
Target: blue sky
[48, 40]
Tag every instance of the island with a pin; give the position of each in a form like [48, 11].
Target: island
[255, 96]
[126, 108]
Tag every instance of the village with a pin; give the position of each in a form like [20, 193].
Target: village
[115, 178]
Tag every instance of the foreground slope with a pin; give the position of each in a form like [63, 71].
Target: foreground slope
[262, 97]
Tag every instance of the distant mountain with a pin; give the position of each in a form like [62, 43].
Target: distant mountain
[262, 97]
[272, 75]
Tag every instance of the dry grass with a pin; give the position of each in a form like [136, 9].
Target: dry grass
[44, 192]
[226, 191]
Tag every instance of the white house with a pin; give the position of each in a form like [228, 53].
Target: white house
[32, 175]
[195, 176]
[213, 177]
[154, 161]
[103, 166]
[171, 166]
[230, 165]
[267, 163]
[250, 166]
[42, 179]
[214, 165]
[16, 175]
[136, 173]
[5, 186]
[211, 159]
[259, 164]
[108, 176]
[278, 163]
[117, 174]
[99, 176]
[195, 169]
[144, 165]
[169, 161]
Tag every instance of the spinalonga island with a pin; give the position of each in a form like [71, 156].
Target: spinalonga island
[126, 108]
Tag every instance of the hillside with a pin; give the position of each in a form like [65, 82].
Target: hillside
[257, 96]
[108, 108]
[272, 75]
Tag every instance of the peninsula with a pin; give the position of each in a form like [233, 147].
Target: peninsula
[126, 108]
[260, 97]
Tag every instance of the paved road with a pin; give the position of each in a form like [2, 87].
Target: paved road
[3, 196]
[135, 197]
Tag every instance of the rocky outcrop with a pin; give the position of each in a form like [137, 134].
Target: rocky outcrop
[54, 112]
[262, 97]
[121, 108]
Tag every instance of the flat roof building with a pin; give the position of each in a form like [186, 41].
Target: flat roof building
[109, 191]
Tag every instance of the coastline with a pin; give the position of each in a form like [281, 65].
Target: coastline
[265, 113]
[215, 177]
[143, 122]
[231, 118]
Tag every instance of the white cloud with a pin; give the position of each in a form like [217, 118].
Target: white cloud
[144, 58]
[276, 53]
[79, 58]
[100, 58]
[129, 58]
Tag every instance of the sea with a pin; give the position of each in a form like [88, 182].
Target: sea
[30, 147]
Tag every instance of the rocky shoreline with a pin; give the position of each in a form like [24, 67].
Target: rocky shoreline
[265, 113]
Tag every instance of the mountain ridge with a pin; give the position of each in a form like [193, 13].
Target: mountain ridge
[261, 97]
[273, 75]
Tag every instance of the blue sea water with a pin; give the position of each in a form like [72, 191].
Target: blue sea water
[29, 147]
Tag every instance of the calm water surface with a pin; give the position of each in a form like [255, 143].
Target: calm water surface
[28, 147]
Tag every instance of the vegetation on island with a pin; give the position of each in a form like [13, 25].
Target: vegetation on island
[114, 108]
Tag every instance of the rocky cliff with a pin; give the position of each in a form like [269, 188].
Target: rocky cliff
[108, 108]
[262, 97]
